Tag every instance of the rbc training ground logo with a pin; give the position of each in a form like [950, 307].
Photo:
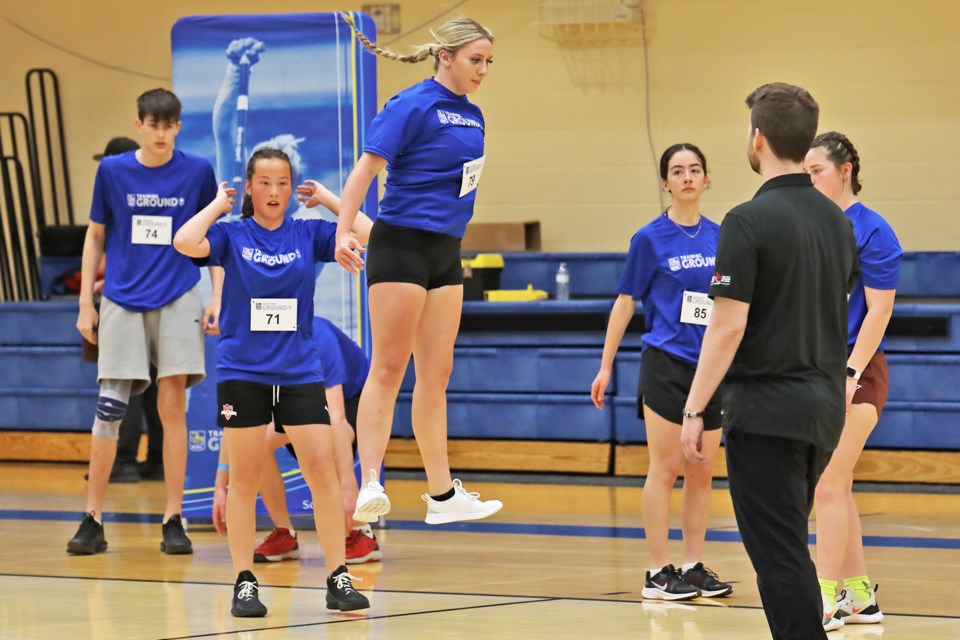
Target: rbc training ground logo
[154, 200]
[200, 441]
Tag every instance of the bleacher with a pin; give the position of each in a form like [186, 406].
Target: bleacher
[519, 395]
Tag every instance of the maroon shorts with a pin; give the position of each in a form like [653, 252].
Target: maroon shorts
[874, 383]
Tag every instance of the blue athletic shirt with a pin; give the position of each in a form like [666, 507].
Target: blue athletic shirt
[342, 359]
[880, 255]
[259, 263]
[426, 133]
[143, 277]
[662, 263]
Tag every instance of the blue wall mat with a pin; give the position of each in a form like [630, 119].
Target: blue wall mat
[929, 273]
[53, 367]
[918, 425]
[39, 323]
[46, 409]
[924, 377]
[521, 417]
[519, 370]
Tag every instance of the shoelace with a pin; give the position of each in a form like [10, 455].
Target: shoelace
[458, 486]
[710, 573]
[247, 590]
[343, 582]
[374, 484]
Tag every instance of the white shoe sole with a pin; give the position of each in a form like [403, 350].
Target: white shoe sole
[859, 618]
[720, 593]
[373, 556]
[372, 509]
[657, 594]
[289, 555]
[447, 518]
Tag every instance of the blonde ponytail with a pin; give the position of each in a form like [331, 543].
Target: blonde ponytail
[451, 37]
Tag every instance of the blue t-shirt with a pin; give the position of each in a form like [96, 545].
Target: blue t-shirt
[342, 360]
[662, 263]
[880, 254]
[426, 133]
[259, 263]
[143, 277]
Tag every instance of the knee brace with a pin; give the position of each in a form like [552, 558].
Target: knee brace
[111, 407]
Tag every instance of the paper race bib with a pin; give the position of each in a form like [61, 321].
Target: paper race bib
[273, 314]
[471, 175]
[695, 308]
[152, 230]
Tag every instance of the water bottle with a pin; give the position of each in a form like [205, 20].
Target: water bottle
[563, 282]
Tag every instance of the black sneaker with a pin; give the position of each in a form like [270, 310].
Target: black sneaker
[175, 540]
[667, 584]
[89, 538]
[151, 470]
[125, 473]
[246, 597]
[707, 581]
[341, 594]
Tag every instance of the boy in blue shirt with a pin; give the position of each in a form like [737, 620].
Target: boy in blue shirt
[151, 310]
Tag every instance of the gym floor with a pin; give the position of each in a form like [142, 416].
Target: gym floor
[560, 561]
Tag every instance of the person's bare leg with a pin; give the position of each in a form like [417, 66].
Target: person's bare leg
[314, 446]
[394, 313]
[666, 461]
[172, 407]
[245, 449]
[835, 491]
[273, 491]
[103, 451]
[697, 485]
[433, 362]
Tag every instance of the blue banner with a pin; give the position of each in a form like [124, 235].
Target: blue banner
[301, 83]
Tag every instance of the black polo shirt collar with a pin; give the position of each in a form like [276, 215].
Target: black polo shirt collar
[786, 180]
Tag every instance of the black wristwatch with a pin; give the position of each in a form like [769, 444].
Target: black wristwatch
[852, 373]
[692, 414]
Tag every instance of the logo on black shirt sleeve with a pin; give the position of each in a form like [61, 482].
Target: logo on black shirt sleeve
[719, 279]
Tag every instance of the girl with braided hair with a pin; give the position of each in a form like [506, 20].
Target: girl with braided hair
[430, 138]
[834, 165]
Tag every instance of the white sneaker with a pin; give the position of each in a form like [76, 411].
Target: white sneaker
[372, 502]
[462, 506]
[859, 612]
[832, 616]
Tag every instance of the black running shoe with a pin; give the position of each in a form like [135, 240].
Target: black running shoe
[151, 470]
[89, 538]
[246, 597]
[341, 594]
[124, 473]
[667, 584]
[707, 581]
[175, 540]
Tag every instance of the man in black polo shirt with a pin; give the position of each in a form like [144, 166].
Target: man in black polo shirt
[785, 264]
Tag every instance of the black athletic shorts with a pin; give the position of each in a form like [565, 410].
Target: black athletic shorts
[664, 386]
[404, 254]
[251, 404]
[350, 407]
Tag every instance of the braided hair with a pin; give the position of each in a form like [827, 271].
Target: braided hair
[450, 37]
[841, 151]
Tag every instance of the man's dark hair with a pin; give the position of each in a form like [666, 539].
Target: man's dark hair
[163, 105]
[787, 116]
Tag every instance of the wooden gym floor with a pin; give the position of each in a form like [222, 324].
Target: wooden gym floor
[560, 561]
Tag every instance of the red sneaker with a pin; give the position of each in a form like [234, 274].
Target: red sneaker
[279, 545]
[362, 547]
